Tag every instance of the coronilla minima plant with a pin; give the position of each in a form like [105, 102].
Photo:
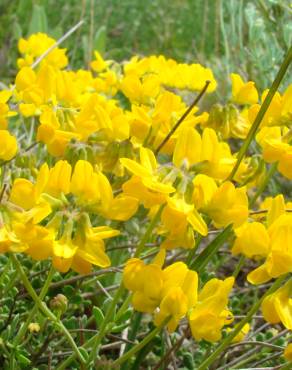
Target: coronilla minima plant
[138, 229]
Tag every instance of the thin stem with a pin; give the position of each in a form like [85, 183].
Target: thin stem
[119, 292]
[123, 307]
[103, 329]
[43, 307]
[140, 345]
[165, 359]
[208, 253]
[193, 251]
[238, 266]
[204, 26]
[224, 35]
[56, 44]
[238, 361]
[240, 325]
[42, 295]
[148, 232]
[91, 30]
[182, 118]
[262, 111]
[257, 343]
[263, 185]
[96, 340]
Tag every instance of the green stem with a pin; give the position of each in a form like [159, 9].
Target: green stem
[148, 232]
[42, 295]
[207, 254]
[192, 252]
[140, 345]
[182, 118]
[263, 185]
[240, 325]
[96, 340]
[238, 266]
[43, 307]
[109, 314]
[286, 366]
[262, 111]
[108, 318]
[135, 323]
[123, 307]
[224, 35]
[119, 292]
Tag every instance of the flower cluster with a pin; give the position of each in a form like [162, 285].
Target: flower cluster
[174, 292]
[83, 151]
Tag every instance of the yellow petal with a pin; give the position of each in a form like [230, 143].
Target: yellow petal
[197, 222]
[134, 167]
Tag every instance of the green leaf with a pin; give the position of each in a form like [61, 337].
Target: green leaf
[99, 41]
[84, 353]
[22, 359]
[17, 30]
[119, 328]
[38, 21]
[98, 315]
[203, 258]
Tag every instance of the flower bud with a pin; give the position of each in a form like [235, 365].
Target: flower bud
[59, 303]
[34, 327]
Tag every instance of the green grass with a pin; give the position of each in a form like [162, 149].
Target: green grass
[246, 36]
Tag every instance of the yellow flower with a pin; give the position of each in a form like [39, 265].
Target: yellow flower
[279, 258]
[177, 214]
[136, 188]
[146, 172]
[84, 250]
[178, 275]
[91, 248]
[146, 282]
[131, 274]
[276, 149]
[4, 108]
[99, 64]
[34, 327]
[278, 112]
[179, 294]
[85, 183]
[9, 241]
[252, 240]
[277, 307]
[36, 240]
[187, 149]
[8, 145]
[241, 335]
[185, 240]
[288, 352]
[217, 160]
[228, 205]
[243, 92]
[140, 90]
[174, 304]
[209, 315]
[93, 188]
[35, 46]
[204, 189]
[58, 179]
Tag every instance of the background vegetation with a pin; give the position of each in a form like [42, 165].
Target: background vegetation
[246, 36]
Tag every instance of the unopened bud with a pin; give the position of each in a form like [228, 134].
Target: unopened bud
[34, 327]
[59, 303]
